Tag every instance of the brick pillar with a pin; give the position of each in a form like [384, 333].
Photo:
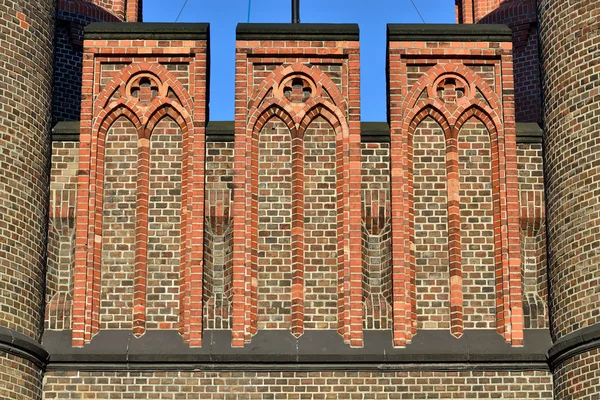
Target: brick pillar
[296, 212]
[453, 85]
[26, 92]
[569, 36]
[140, 201]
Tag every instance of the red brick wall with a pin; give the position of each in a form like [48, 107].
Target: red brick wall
[297, 385]
[141, 188]
[464, 90]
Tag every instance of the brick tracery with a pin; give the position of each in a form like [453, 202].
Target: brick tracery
[451, 99]
[144, 94]
[297, 95]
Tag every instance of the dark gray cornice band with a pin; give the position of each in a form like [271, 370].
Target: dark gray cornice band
[297, 367]
[223, 131]
[146, 31]
[23, 346]
[448, 33]
[575, 343]
[317, 32]
[314, 350]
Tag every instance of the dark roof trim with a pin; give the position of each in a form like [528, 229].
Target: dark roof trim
[23, 346]
[448, 33]
[529, 132]
[146, 30]
[321, 32]
[66, 131]
[314, 347]
[297, 367]
[224, 131]
[580, 341]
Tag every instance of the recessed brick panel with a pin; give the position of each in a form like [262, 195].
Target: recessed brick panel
[274, 226]
[164, 225]
[320, 226]
[477, 225]
[431, 226]
[118, 226]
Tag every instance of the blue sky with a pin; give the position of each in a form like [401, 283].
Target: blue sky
[371, 15]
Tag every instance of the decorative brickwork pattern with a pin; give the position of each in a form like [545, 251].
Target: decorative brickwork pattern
[19, 379]
[26, 93]
[326, 266]
[376, 234]
[299, 385]
[142, 159]
[61, 235]
[533, 235]
[473, 107]
[218, 241]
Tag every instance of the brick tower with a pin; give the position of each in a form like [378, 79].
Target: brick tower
[25, 89]
[569, 35]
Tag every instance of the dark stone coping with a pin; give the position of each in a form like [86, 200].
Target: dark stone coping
[575, 343]
[146, 30]
[320, 32]
[66, 131]
[223, 131]
[448, 33]
[529, 132]
[23, 346]
[431, 348]
[220, 131]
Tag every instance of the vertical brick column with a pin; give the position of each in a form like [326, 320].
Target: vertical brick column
[457, 79]
[302, 80]
[569, 36]
[141, 174]
[26, 93]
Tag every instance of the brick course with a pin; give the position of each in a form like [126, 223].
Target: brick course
[300, 385]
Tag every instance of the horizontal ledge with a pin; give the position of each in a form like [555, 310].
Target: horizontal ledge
[224, 131]
[297, 367]
[321, 32]
[146, 30]
[314, 347]
[448, 33]
[575, 343]
[23, 346]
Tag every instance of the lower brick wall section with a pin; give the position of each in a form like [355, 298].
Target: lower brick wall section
[298, 385]
[579, 377]
[19, 379]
